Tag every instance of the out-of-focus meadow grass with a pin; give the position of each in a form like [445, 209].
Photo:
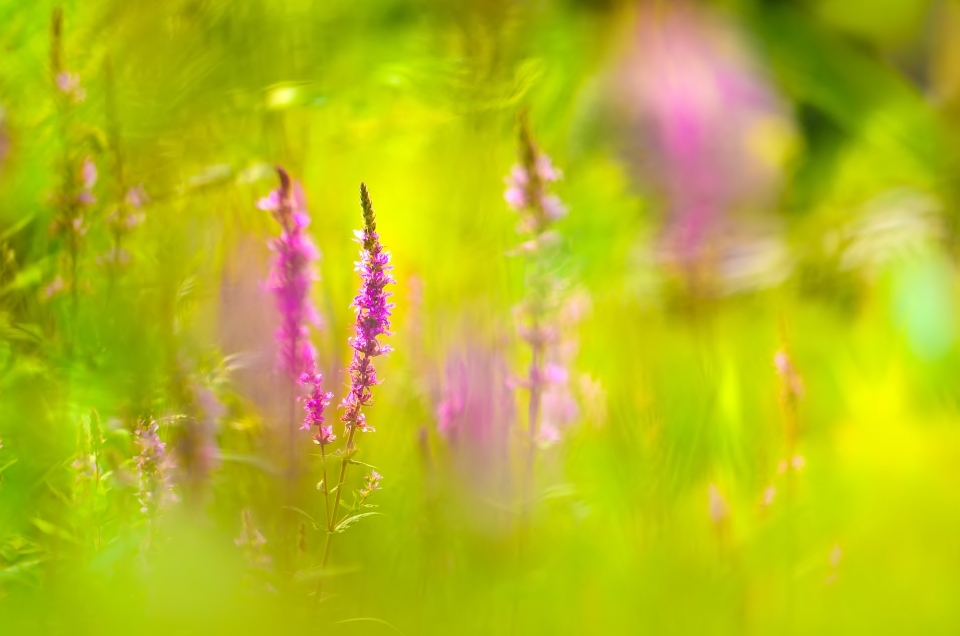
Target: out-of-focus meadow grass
[676, 501]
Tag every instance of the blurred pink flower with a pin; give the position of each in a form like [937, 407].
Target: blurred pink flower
[69, 84]
[155, 468]
[792, 382]
[548, 434]
[475, 415]
[701, 106]
[291, 277]
[559, 409]
[769, 494]
[88, 178]
[136, 196]
[527, 193]
[717, 506]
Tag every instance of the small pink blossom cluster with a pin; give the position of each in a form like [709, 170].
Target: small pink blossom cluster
[314, 405]
[68, 83]
[551, 406]
[527, 193]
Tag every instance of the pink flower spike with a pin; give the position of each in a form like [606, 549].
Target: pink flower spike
[373, 318]
[291, 277]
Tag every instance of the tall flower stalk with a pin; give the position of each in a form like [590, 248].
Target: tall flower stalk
[527, 193]
[291, 276]
[154, 468]
[373, 321]
[290, 279]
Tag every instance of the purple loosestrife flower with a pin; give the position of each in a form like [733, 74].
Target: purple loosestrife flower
[539, 210]
[291, 277]
[373, 321]
[155, 469]
[373, 317]
[697, 101]
[314, 405]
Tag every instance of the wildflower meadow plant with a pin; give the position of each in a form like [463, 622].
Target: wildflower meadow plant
[291, 276]
[373, 311]
[538, 210]
[154, 469]
[695, 98]
[178, 388]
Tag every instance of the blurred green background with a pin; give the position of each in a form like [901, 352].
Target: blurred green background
[743, 178]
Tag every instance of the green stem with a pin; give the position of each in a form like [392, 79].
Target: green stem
[331, 515]
[326, 487]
